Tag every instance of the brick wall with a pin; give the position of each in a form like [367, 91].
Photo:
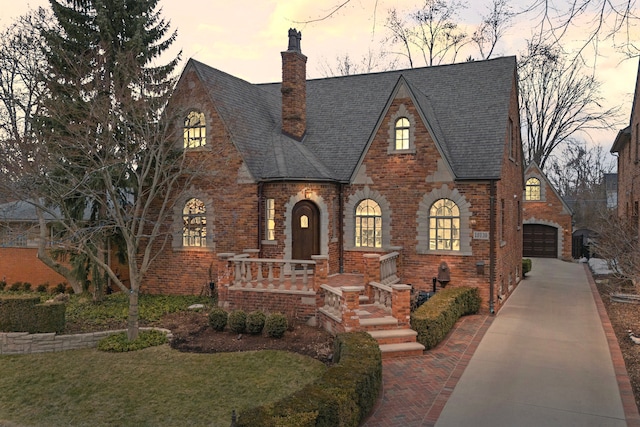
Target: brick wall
[23, 265]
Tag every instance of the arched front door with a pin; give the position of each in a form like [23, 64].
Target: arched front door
[305, 235]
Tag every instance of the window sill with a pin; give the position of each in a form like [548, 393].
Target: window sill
[193, 249]
[364, 249]
[410, 150]
[443, 252]
[269, 242]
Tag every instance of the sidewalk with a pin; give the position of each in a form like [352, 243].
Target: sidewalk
[545, 361]
[549, 358]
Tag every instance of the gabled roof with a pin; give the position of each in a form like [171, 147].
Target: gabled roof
[622, 138]
[465, 105]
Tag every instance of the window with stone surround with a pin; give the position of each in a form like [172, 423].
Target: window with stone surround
[444, 226]
[532, 189]
[194, 218]
[368, 231]
[401, 132]
[195, 130]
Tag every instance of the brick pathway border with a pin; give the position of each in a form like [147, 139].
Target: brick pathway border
[415, 389]
[626, 392]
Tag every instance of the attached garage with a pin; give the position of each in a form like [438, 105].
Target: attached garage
[540, 241]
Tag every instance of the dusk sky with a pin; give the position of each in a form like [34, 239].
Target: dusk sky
[245, 37]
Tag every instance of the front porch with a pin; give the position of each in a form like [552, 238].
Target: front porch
[375, 301]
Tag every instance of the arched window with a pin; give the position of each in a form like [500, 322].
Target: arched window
[195, 130]
[532, 189]
[368, 224]
[194, 219]
[402, 133]
[444, 226]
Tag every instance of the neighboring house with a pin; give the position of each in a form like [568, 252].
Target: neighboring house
[611, 189]
[387, 178]
[19, 241]
[547, 226]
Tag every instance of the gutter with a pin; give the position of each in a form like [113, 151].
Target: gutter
[492, 244]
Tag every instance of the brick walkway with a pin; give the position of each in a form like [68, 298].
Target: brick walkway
[415, 389]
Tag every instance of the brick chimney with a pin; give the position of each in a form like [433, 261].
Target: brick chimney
[294, 88]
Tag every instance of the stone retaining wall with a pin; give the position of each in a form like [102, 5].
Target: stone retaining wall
[26, 343]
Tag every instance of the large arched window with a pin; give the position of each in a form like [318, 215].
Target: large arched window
[368, 230]
[195, 130]
[444, 226]
[532, 189]
[402, 133]
[194, 231]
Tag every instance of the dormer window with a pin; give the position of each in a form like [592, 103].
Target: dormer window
[402, 133]
[195, 130]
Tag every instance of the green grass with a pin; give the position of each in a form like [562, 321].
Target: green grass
[157, 386]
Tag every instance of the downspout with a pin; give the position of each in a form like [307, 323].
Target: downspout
[340, 228]
[492, 244]
[260, 216]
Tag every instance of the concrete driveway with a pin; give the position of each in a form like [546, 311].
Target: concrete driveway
[544, 361]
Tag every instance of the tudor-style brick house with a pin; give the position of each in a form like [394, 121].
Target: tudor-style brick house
[352, 187]
[547, 218]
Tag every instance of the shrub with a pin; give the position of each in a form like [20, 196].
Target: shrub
[275, 325]
[3, 284]
[526, 266]
[60, 288]
[23, 313]
[255, 322]
[237, 321]
[342, 396]
[15, 287]
[118, 343]
[26, 286]
[218, 319]
[435, 318]
[41, 288]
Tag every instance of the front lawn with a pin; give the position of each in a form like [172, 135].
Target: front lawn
[157, 386]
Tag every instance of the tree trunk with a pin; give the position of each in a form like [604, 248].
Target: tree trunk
[132, 323]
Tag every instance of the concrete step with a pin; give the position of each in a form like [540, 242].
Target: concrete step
[394, 336]
[379, 323]
[408, 349]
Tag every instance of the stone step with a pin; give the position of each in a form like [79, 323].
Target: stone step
[394, 336]
[408, 349]
[378, 323]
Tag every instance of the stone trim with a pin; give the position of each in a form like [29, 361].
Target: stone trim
[423, 221]
[350, 219]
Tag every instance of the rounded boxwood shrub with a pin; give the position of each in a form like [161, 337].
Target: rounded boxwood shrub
[218, 319]
[237, 321]
[275, 325]
[118, 343]
[255, 322]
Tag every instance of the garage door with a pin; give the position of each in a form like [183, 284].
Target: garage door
[540, 241]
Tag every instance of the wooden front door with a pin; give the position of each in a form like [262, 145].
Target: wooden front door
[305, 236]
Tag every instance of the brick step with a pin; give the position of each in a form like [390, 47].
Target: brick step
[390, 351]
[394, 336]
[378, 323]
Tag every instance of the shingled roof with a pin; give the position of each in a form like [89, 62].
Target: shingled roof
[465, 106]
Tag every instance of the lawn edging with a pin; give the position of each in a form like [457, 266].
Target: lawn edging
[26, 343]
[434, 319]
[344, 395]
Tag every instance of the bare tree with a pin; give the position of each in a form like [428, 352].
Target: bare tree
[493, 26]
[433, 30]
[369, 63]
[578, 175]
[617, 242]
[557, 101]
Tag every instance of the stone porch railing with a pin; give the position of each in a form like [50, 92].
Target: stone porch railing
[301, 289]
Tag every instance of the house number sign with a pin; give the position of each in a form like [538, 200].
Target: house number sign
[481, 235]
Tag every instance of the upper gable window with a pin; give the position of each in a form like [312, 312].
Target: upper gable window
[368, 224]
[195, 130]
[532, 189]
[402, 133]
[444, 226]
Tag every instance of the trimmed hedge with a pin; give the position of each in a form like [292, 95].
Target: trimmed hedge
[434, 319]
[526, 266]
[24, 313]
[342, 396]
